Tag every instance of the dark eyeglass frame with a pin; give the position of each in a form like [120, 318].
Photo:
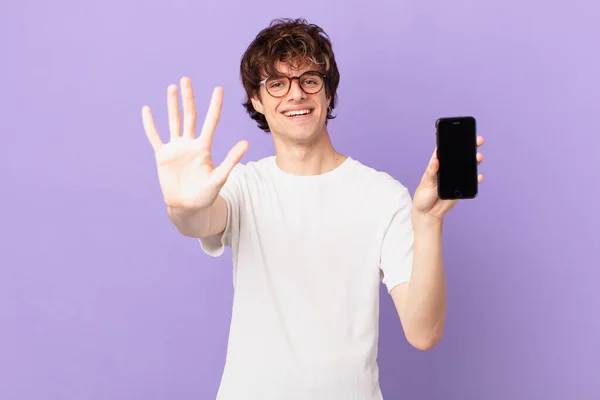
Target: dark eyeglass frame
[291, 78]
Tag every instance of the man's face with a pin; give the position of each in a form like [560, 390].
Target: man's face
[287, 116]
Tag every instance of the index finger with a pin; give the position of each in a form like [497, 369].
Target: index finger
[434, 155]
[212, 117]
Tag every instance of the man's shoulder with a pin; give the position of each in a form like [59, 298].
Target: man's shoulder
[376, 180]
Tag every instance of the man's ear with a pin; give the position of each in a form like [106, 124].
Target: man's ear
[257, 105]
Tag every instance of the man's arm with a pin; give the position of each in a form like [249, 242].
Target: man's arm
[200, 223]
[421, 303]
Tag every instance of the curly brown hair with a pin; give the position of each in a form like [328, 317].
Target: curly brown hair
[294, 42]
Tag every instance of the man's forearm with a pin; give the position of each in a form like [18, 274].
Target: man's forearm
[426, 304]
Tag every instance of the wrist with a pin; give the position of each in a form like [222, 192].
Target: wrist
[425, 221]
[179, 212]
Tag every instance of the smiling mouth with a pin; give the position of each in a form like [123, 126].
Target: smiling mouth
[298, 113]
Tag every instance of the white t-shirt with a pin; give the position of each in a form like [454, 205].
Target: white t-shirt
[309, 255]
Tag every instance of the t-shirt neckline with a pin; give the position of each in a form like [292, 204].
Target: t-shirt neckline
[340, 169]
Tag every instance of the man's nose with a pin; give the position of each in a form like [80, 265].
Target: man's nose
[296, 92]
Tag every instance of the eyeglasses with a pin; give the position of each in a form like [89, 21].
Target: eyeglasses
[311, 82]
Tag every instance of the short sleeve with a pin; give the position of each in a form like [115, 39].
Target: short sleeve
[232, 193]
[397, 248]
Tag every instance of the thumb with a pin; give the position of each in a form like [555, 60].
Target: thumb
[429, 179]
[233, 157]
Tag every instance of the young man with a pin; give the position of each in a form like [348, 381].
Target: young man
[313, 232]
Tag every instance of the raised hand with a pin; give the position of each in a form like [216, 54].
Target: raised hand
[186, 173]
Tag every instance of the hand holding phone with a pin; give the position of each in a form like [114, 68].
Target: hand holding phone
[457, 155]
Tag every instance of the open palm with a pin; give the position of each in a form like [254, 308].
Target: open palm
[187, 176]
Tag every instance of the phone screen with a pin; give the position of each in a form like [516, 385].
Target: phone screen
[457, 155]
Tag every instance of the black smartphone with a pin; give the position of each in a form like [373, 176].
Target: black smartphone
[457, 155]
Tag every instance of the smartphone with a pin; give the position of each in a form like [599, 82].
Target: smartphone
[457, 154]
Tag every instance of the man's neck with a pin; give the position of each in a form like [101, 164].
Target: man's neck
[308, 158]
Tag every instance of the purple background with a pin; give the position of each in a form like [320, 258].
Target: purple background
[101, 298]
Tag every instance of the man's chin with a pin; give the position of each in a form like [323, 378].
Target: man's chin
[299, 135]
[306, 133]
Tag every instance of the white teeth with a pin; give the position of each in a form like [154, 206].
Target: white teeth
[299, 112]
